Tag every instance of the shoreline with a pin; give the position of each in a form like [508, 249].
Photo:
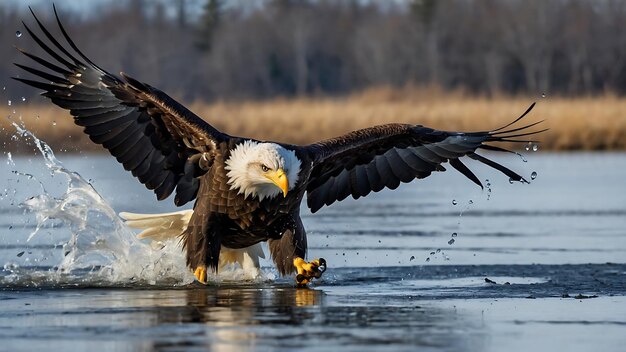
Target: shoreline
[576, 124]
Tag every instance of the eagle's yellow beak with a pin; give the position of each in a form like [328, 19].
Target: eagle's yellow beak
[280, 180]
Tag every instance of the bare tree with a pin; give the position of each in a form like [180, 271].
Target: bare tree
[268, 48]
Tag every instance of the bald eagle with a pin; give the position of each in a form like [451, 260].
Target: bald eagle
[245, 191]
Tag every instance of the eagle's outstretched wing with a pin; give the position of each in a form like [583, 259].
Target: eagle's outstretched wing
[162, 143]
[383, 156]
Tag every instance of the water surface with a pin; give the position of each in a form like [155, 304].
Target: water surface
[552, 251]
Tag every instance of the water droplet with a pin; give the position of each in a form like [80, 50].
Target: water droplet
[454, 234]
[451, 241]
[470, 202]
[379, 241]
[427, 259]
[432, 253]
[454, 202]
[54, 123]
[412, 258]
[10, 227]
[533, 175]
[18, 34]
[438, 250]
[23, 98]
[20, 254]
[543, 95]
[511, 180]
[535, 148]
[9, 103]
[528, 146]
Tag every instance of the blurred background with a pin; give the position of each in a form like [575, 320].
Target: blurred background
[297, 71]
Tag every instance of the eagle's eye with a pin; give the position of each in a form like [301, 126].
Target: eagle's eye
[265, 168]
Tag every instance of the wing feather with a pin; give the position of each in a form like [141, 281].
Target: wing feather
[149, 133]
[398, 166]
[374, 158]
[359, 182]
[373, 177]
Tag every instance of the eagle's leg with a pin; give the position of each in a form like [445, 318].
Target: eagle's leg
[202, 244]
[308, 270]
[289, 252]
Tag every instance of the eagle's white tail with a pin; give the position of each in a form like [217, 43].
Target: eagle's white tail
[158, 227]
[161, 227]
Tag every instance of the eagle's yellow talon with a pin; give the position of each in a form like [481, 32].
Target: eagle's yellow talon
[200, 274]
[308, 270]
[302, 281]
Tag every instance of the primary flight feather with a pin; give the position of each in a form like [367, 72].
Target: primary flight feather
[246, 191]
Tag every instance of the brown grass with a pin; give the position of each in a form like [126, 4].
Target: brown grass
[588, 123]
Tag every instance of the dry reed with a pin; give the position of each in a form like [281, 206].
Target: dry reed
[587, 123]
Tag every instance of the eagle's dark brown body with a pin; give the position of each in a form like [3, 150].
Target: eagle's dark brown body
[173, 151]
[225, 217]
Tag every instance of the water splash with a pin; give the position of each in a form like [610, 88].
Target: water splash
[10, 161]
[528, 146]
[452, 240]
[101, 251]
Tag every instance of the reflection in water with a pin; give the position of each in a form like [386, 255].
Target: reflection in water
[394, 310]
[444, 311]
[230, 315]
[239, 318]
[231, 318]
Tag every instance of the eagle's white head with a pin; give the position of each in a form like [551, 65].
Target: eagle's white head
[262, 170]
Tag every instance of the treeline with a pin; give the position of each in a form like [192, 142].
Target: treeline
[262, 49]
